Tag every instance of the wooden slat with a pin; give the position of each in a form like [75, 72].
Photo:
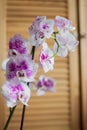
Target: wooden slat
[24, 8]
[46, 128]
[39, 2]
[40, 123]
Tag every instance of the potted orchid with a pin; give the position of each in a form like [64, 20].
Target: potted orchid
[20, 67]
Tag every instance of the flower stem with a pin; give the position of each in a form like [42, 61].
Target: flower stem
[10, 109]
[24, 107]
[22, 119]
[33, 52]
[9, 118]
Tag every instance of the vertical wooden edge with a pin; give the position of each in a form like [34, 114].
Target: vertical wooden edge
[2, 57]
[83, 55]
[74, 72]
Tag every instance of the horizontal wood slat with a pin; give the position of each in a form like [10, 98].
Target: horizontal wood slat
[33, 1]
[32, 8]
[46, 128]
[46, 122]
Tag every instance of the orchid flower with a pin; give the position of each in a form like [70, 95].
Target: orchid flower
[66, 42]
[22, 67]
[63, 24]
[45, 84]
[18, 45]
[15, 91]
[46, 58]
[40, 30]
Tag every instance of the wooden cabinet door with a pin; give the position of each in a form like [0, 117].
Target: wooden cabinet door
[83, 57]
[53, 111]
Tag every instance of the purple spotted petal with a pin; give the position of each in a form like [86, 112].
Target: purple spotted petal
[46, 59]
[19, 44]
[63, 24]
[45, 84]
[14, 92]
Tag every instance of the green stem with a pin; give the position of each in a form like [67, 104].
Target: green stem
[9, 118]
[55, 38]
[56, 41]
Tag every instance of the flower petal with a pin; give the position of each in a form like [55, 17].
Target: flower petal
[63, 52]
[4, 64]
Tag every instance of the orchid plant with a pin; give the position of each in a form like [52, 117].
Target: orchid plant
[20, 67]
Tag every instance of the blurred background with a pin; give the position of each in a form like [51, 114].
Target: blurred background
[66, 109]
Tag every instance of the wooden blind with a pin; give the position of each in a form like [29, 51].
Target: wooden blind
[53, 110]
